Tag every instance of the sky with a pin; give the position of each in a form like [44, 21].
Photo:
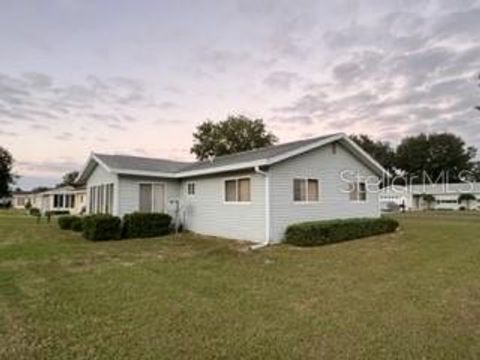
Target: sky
[136, 77]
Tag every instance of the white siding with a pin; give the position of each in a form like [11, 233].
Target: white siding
[207, 213]
[100, 176]
[319, 164]
[129, 192]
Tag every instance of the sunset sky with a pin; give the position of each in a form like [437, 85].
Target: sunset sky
[136, 77]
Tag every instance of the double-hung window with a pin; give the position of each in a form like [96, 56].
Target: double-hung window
[237, 190]
[151, 198]
[358, 191]
[191, 188]
[306, 190]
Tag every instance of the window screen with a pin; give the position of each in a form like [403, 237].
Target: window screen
[145, 198]
[231, 190]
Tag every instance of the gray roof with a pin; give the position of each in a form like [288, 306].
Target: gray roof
[252, 155]
[137, 163]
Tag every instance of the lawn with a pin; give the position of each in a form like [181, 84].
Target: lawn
[412, 294]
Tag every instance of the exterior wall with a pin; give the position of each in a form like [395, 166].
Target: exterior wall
[129, 193]
[100, 176]
[207, 213]
[19, 200]
[326, 166]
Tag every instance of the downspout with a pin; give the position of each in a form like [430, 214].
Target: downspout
[267, 209]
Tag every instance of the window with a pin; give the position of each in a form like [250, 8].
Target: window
[306, 190]
[151, 198]
[230, 190]
[358, 191]
[100, 199]
[237, 190]
[191, 188]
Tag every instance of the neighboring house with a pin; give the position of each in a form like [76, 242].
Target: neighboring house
[64, 198]
[252, 195]
[433, 196]
[21, 198]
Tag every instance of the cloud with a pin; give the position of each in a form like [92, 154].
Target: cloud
[40, 127]
[8, 133]
[395, 76]
[46, 167]
[64, 136]
[37, 98]
[282, 80]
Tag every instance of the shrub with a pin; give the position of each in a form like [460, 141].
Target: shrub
[77, 224]
[327, 232]
[102, 227]
[34, 211]
[138, 225]
[65, 222]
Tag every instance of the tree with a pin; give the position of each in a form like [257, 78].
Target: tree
[6, 176]
[379, 150]
[69, 179]
[440, 157]
[235, 134]
[40, 189]
[466, 197]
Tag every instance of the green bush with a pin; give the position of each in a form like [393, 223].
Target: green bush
[328, 232]
[139, 225]
[102, 227]
[65, 222]
[77, 224]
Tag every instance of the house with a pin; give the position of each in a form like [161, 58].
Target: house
[63, 198]
[21, 198]
[459, 196]
[252, 195]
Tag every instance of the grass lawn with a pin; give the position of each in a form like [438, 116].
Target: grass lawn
[413, 294]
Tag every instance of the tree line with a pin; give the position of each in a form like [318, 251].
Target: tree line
[436, 154]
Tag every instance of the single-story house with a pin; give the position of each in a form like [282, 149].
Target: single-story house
[252, 195]
[63, 198]
[432, 196]
[22, 198]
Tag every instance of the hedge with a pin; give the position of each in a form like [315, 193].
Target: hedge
[141, 225]
[328, 232]
[65, 222]
[77, 224]
[102, 227]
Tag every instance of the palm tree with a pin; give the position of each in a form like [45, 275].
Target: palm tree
[467, 198]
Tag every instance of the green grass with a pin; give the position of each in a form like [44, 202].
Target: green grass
[412, 294]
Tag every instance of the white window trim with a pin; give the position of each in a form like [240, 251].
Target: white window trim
[153, 197]
[194, 183]
[306, 202]
[236, 202]
[358, 201]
